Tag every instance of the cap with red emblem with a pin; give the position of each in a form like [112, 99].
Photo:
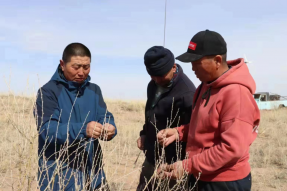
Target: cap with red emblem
[204, 43]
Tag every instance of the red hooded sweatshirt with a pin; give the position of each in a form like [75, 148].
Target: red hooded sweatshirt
[223, 125]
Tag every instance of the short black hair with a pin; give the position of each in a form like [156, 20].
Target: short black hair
[224, 57]
[75, 49]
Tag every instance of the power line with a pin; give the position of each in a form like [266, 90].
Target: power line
[164, 23]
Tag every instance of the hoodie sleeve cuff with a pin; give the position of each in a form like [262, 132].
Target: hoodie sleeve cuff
[180, 131]
[187, 165]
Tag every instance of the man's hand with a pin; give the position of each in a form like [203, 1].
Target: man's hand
[109, 131]
[167, 136]
[94, 129]
[140, 142]
[173, 171]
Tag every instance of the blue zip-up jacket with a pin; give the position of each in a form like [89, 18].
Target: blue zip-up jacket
[67, 158]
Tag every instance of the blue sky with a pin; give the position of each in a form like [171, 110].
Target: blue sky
[34, 33]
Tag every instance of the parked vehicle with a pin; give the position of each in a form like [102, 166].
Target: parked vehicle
[268, 101]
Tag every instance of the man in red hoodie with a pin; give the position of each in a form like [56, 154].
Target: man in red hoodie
[224, 120]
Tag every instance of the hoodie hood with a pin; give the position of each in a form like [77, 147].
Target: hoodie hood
[237, 74]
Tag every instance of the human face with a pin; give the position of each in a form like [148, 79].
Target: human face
[206, 68]
[77, 70]
[164, 80]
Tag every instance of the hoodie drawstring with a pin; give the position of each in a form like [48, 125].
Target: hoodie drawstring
[207, 93]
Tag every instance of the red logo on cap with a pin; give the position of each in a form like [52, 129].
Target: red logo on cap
[192, 45]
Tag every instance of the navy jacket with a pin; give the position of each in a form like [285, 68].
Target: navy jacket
[178, 98]
[63, 110]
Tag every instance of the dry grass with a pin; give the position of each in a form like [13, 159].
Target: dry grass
[18, 144]
[269, 152]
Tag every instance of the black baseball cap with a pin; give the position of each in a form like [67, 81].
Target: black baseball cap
[204, 43]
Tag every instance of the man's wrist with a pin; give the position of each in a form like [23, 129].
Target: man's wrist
[142, 133]
[84, 130]
[187, 165]
[176, 134]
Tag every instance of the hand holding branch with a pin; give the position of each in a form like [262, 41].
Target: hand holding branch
[173, 171]
[167, 136]
[96, 130]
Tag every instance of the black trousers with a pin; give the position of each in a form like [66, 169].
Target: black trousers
[238, 185]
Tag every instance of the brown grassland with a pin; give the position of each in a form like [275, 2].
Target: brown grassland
[18, 145]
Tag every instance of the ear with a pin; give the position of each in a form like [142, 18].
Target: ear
[174, 68]
[62, 64]
[218, 61]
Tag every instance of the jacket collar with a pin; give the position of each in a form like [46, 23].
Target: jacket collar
[175, 78]
[177, 75]
[173, 82]
[60, 78]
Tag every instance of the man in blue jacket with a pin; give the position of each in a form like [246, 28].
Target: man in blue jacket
[71, 117]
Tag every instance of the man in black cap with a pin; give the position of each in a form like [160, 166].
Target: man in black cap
[224, 121]
[169, 102]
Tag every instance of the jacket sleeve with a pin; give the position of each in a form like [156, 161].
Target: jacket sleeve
[50, 127]
[185, 116]
[186, 110]
[142, 132]
[239, 117]
[103, 115]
